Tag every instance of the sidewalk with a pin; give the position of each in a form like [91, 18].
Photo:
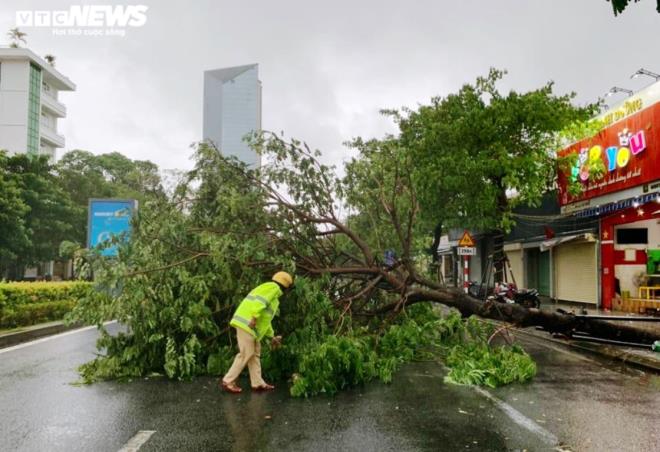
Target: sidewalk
[579, 308]
[28, 333]
[640, 357]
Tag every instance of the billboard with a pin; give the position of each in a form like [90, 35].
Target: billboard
[629, 149]
[108, 218]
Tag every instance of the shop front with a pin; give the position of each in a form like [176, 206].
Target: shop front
[623, 193]
[447, 271]
[562, 268]
[630, 250]
[452, 269]
[538, 270]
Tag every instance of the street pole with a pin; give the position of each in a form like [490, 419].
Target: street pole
[466, 273]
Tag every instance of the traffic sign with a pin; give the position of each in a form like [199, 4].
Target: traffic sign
[466, 251]
[466, 240]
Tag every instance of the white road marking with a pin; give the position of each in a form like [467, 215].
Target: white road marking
[519, 418]
[50, 338]
[516, 416]
[137, 441]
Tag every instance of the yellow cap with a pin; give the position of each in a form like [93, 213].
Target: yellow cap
[285, 279]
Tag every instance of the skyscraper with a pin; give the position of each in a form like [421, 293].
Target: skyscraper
[232, 109]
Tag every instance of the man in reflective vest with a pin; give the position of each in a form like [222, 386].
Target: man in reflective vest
[252, 321]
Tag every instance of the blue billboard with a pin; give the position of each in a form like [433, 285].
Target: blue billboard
[108, 218]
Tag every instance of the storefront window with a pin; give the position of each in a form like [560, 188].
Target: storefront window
[632, 236]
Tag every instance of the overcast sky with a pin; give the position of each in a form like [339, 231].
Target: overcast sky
[327, 67]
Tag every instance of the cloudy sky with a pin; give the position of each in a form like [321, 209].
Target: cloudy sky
[327, 67]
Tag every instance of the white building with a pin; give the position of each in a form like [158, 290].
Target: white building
[29, 104]
[232, 109]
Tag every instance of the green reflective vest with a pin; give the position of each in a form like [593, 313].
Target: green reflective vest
[262, 303]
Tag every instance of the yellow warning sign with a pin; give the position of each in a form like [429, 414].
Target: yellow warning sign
[466, 240]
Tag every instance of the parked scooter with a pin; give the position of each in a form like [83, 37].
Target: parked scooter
[505, 292]
[509, 293]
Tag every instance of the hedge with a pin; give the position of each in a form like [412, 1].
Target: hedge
[28, 303]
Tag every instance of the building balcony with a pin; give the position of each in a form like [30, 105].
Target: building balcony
[53, 106]
[51, 137]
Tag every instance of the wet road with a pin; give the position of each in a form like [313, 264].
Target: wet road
[575, 402]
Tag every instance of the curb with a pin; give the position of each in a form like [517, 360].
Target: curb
[35, 332]
[607, 351]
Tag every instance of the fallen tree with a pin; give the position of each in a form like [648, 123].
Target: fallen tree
[355, 261]
[353, 316]
[356, 244]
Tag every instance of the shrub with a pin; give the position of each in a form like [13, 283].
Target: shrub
[32, 313]
[28, 303]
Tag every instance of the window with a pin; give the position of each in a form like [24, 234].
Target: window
[46, 120]
[34, 110]
[632, 236]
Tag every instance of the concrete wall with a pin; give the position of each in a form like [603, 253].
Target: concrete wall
[14, 86]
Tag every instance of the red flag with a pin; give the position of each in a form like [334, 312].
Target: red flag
[549, 232]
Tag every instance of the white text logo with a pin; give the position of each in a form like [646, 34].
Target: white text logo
[113, 18]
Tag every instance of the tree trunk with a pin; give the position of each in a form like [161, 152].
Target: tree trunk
[553, 322]
[498, 235]
[437, 235]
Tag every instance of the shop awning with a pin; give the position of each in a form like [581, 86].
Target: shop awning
[446, 248]
[619, 205]
[547, 244]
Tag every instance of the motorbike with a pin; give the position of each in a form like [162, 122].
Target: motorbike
[509, 293]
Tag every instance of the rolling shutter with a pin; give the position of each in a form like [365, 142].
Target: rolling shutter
[576, 272]
[516, 263]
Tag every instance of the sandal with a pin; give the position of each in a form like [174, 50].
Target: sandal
[231, 387]
[263, 387]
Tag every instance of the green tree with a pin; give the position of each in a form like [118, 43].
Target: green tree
[81, 175]
[138, 179]
[88, 175]
[13, 232]
[16, 36]
[479, 153]
[49, 211]
[84, 175]
[620, 5]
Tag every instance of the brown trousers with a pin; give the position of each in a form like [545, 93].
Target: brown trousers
[249, 354]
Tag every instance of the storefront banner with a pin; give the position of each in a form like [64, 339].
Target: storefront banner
[629, 151]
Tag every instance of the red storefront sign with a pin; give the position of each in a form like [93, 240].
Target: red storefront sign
[629, 150]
